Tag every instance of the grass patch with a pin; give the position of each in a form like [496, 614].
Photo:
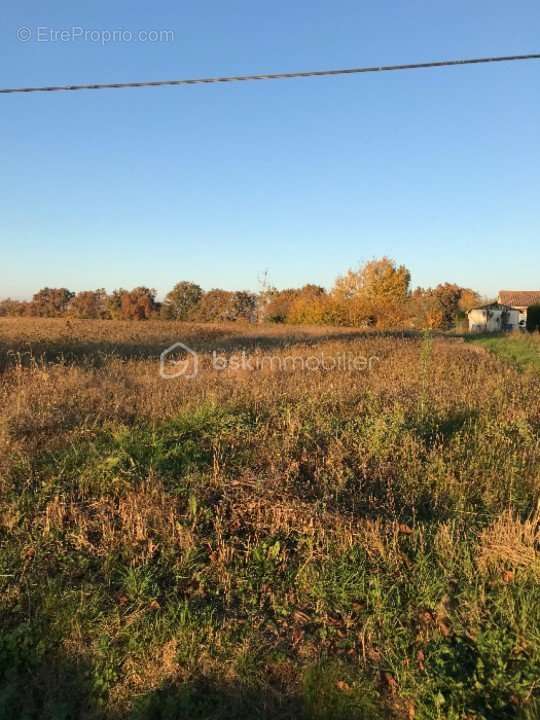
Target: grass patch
[522, 350]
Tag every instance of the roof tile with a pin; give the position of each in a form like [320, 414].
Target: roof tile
[519, 298]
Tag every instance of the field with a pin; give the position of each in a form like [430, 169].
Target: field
[271, 540]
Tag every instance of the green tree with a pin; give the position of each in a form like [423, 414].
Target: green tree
[533, 318]
[181, 302]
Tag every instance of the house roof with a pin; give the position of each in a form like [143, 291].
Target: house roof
[519, 298]
[495, 305]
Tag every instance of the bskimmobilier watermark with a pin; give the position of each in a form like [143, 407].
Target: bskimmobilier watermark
[180, 360]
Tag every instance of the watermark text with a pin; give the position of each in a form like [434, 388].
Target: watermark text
[179, 360]
[98, 36]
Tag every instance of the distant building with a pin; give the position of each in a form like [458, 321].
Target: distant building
[493, 317]
[508, 313]
[520, 300]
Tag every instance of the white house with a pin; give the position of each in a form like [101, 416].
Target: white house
[493, 317]
[519, 300]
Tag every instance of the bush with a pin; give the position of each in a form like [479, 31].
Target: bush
[533, 318]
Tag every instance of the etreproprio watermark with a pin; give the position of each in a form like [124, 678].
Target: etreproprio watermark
[179, 360]
[99, 36]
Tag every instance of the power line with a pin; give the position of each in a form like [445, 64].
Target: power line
[272, 76]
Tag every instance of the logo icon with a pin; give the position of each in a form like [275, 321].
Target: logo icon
[178, 360]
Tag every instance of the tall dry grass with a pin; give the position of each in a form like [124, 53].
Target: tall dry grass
[296, 543]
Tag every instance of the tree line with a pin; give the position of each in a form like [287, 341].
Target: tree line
[377, 294]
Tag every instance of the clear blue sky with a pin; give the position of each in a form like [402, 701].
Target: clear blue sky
[439, 169]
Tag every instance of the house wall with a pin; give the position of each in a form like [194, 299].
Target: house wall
[494, 322]
[477, 321]
[486, 320]
[522, 316]
[513, 319]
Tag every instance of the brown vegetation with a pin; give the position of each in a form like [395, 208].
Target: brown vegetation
[375, 295]
[282, 543]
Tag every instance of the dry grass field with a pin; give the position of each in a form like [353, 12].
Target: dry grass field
[278, 542]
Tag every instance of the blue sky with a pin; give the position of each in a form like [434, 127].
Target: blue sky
[439, 169]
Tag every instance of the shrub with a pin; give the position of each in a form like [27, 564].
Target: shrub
[533, 318]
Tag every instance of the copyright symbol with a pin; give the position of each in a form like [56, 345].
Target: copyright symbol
[24, 34]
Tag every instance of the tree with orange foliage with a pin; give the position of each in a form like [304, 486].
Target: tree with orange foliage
[309, 306]
[468, 299]
[425, 310]
[138, 304]
[214, 306]
[374, 295]
[89, 304]
[14, 308]
[275, 305]
[442, 307]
